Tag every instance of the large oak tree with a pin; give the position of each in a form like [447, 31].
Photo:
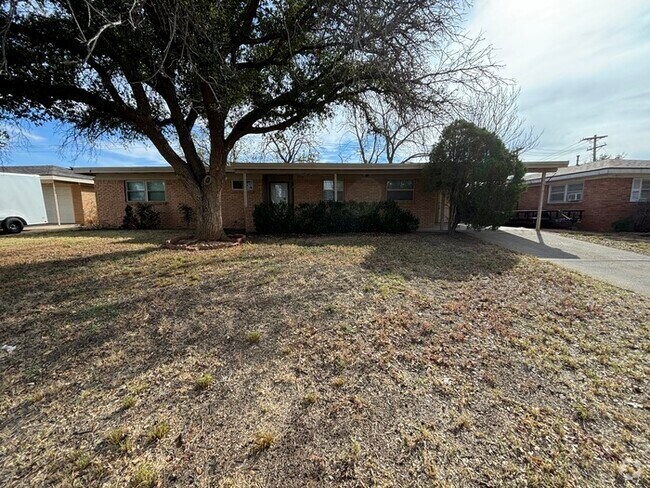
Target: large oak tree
[167, 70]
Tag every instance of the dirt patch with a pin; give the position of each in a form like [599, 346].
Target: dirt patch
[360, 360]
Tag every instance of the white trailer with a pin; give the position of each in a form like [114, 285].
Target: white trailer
[21, 202]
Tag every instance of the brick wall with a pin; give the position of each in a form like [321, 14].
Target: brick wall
[77, 203]
[88, 204]
[84, 204]
[111, 197]
[371, 188]
[604, 201]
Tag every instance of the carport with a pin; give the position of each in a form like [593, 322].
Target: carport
[543, 167]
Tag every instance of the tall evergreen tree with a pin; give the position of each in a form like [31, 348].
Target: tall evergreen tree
[480, 176]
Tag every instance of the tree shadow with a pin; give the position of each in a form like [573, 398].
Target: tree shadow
[85, 314]
[124, 236]
[434, 256]
[530, 242]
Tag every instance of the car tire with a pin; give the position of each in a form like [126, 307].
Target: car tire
[12, 225]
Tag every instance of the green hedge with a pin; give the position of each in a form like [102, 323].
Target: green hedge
[333, 217]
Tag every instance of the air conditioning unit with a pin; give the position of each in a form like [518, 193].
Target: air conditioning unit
[574, 197]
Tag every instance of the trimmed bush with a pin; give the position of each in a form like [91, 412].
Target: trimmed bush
[130, 221]
[273, 218]
[639, 221]
[142, 217]
[624, 225]
[187, 214]
[333, 217]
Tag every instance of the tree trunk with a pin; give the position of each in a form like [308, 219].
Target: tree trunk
[209, 222]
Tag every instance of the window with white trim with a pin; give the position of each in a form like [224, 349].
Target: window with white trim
[640, 190]
[238, 185]
[328, 190]
[565, 193]
[146, 191]
[399, 190]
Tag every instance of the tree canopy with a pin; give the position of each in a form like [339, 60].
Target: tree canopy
[480, 176]
[173, 70]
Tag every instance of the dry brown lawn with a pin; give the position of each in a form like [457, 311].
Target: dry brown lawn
[361, 360]
[627, 241]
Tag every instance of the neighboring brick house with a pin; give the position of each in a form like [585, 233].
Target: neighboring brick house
[606, 191]
[69, 196]
[295, 183]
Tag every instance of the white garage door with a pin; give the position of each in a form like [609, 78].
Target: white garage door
[66, 208]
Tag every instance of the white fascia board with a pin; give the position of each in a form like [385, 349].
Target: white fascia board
[592, 174]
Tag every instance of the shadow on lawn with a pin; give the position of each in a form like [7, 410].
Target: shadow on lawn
[84, 311]
[433, 256]
[122, 236]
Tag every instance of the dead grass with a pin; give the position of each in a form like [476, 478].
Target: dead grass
[627, 241]
[417, 360]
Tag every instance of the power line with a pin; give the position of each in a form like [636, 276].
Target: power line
[595, 140]
[550, 153]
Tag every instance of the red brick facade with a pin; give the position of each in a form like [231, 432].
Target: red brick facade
[307, 188]
[604, 201]
[84, 203]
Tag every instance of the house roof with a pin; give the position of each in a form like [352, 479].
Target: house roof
[49, 173]
[313, 168]
[269, 168]
[593, 169]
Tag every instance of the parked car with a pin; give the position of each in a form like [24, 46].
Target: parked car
[21, 202]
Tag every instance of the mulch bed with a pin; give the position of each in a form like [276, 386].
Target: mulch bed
[190, 243]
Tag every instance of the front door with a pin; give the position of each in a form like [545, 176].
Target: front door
[279, 191]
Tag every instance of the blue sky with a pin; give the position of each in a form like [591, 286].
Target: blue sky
[583, 67]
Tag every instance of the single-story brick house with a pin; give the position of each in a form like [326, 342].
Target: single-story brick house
[606, 191]
[69, 196]
[297, 183]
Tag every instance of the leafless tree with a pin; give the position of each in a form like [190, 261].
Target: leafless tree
[604, 156]
[498, 111]
[386, 133]
[369, 145]
[297, 144]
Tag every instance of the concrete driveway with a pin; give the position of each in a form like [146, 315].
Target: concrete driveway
[624, 269]
[33, 229]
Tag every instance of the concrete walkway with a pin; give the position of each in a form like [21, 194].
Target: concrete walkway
[624, 269]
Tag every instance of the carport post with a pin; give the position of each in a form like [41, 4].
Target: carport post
[538, 222]
[56, 204]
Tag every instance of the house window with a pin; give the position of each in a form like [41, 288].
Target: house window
[328, 190]
[556, 194]
[565, 193]
[574, 192]
[239, 185]
[399, 190]
[145, 191]
[640, 190]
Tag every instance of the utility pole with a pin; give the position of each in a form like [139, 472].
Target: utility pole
[595, 140]
[577, 159]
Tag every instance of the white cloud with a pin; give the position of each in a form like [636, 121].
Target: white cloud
[583, 67]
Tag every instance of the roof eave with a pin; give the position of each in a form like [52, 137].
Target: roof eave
[544, 166]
